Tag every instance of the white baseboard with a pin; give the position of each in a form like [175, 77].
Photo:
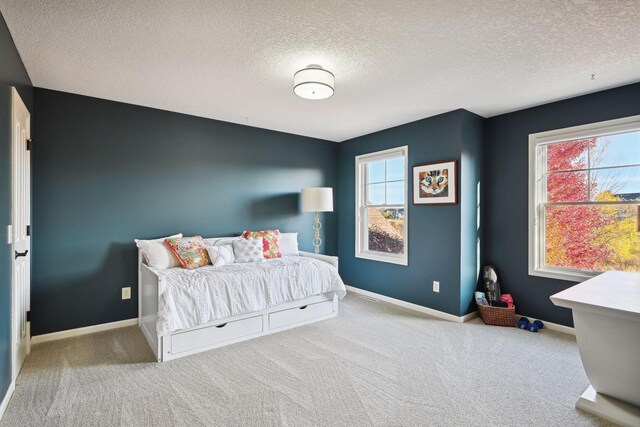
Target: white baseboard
[551, 326]
[446, 316]
[470, 316]
[7, 398]
[82, 331]
[415, 307]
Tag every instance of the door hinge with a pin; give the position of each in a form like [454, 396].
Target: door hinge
[28, 230]
[29, 141]
[28, 315]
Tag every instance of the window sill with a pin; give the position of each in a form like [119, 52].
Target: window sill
[391, 259]
[571, 276]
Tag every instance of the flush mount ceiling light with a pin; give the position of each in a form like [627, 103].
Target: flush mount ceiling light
[313, 82]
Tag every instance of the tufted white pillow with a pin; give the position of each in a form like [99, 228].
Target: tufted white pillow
[248, 250]
[289, 244]
[156, 254]
[221, 255]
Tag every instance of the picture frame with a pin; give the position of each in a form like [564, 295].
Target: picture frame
[436, 183]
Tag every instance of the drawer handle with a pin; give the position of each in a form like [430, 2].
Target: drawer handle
[19, 254]
[303, 307]
[221, 326]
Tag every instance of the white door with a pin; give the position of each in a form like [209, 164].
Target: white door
[21, 214]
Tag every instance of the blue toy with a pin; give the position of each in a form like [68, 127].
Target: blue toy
[539, 324]
[523, 323]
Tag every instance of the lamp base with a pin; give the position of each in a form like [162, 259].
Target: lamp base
[317, 241]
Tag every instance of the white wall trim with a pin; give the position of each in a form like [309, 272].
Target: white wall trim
[82, 331]
[450, 317]
[7, 398]
[415, 307]
[470, 316]
[551, 326]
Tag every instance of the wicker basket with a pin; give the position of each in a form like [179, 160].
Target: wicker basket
[497, 315]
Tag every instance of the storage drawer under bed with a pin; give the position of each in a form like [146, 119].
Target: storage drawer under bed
[211, 335]
[305, 313]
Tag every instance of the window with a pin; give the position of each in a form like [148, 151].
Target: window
[584, 200]
[381, 206]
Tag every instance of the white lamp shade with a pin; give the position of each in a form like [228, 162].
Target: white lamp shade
[313, 83]
[318, 199]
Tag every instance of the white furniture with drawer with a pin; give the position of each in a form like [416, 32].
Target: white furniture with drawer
[285, 319]
[229, 330]
[606, 316]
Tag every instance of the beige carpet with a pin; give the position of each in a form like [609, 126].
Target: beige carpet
[373, 365]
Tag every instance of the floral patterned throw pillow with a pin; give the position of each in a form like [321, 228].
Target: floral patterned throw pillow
[191, 251]
[270, 242]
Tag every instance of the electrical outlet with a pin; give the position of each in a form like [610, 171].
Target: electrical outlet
[436, 286]
[126, 293]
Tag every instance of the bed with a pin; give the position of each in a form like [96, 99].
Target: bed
[183, 312]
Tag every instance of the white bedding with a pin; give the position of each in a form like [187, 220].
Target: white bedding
[190, 298]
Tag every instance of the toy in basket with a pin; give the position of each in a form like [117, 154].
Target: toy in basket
[494, 307]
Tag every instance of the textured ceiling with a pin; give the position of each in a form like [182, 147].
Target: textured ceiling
[394, 61]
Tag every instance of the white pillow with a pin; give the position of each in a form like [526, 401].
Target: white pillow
[221, 255]
[289, 244]
[217, 241]
[156, 254]
[248, 250]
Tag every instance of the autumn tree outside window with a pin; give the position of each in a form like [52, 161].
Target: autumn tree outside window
[584, 200]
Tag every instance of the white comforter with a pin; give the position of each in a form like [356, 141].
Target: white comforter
[189, 298]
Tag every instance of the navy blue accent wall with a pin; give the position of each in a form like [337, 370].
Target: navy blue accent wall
[12, 73]
[105, 173]
[438, 245]
[507, 194]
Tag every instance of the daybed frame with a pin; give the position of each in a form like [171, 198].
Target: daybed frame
[228, 330]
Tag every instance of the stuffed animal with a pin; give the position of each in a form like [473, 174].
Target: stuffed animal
[492, 286]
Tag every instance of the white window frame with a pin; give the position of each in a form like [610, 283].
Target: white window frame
[361, 206]
[537, 190]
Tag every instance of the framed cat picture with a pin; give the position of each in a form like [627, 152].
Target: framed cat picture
[435, 184]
